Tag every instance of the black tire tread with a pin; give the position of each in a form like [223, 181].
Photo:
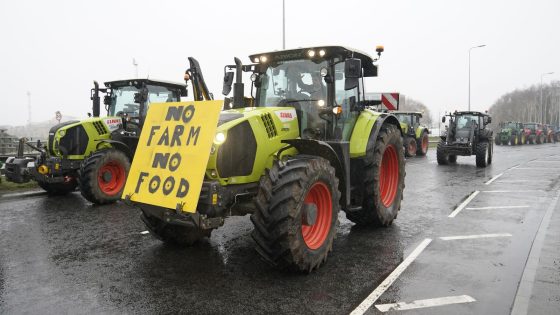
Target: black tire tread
[88, 175]
[277, 218]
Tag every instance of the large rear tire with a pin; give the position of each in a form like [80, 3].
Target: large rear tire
[296, 213]
[103, 175]
[482, 154]
[423, 144]
[59, 189]
[442, 156]
[384, 173]
[452, 158]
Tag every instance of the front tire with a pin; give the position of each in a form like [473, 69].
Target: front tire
[174, 234]
[423, 144]
[442, 156]
[384, 180]
[59, 189]
[483, 156]
[103, 175]
[411, 147]
[296, 213]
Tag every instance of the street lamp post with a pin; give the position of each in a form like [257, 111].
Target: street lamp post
[542, 105]
[479, 46]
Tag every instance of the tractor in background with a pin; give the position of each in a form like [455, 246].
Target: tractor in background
[534, 133]
[466, 135]
[511, 133]
[95, 154]
[415, 139]
[302, 147]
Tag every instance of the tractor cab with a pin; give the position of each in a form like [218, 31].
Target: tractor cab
[464, 127]
[323, 84]
[130, 99]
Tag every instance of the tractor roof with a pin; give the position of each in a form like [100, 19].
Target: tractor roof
[471, 113]
[168, 84]
[341, 52]
[407, 112]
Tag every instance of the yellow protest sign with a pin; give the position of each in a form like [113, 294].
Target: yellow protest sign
[172, 154]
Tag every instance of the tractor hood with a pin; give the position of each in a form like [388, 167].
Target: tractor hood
[75, 139]
[260, 130]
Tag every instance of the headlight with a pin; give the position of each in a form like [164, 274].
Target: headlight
[264, 59]
[321, 52]
[62, 133]
[311, 53]
[220, 138]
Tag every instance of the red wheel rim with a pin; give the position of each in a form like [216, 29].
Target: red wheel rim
[425, 143]
[316, 234]
[389, 176]
[411, 147]
[111, 178]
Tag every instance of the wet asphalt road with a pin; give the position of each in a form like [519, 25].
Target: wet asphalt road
[64, 255]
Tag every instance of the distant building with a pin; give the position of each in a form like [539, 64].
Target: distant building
[8, 143]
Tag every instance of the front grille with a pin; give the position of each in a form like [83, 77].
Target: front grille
[100, 128]
[234, 159]
[74, 142]
[269, 125]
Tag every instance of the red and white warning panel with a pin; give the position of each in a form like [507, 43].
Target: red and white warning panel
[390, 100]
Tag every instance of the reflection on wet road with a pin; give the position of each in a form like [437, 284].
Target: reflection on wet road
[64, 254]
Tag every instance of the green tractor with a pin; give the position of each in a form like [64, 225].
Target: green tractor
[95, 154]
[512, 133]
[302, 147]
[416, 139]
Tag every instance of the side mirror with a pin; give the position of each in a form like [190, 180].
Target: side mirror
[489, 119]
[228, 81]
[443, 119]
[107, 100]
[352, 73]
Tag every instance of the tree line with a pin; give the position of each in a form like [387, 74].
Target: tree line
[524, 105]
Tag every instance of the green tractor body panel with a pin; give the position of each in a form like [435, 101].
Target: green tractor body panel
[261, 131]
[505, 134]
[420, 130]
[79, 139]
[361, 132]
[404, 127]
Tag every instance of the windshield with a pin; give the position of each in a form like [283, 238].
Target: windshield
[122, 99]
[466, 121]
[292, 81]
[511, 125]
[404, 118]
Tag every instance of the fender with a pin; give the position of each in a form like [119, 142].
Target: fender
[117, 145]
[420, 130]
[369, 122]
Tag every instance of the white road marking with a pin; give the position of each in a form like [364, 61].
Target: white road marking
[521, 180]
[538, 168]
[144, 232]
[496, 207]
[368, 302]
[512, 191]
[464, 204]
[544, 161]
[401, 306]
[525, 289]
[468, 237]
[493, 179]
[513, 167]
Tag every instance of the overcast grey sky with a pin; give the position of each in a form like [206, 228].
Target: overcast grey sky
[55, 49]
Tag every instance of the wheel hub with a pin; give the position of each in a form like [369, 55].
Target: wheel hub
[316, 215]
[107, 176]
